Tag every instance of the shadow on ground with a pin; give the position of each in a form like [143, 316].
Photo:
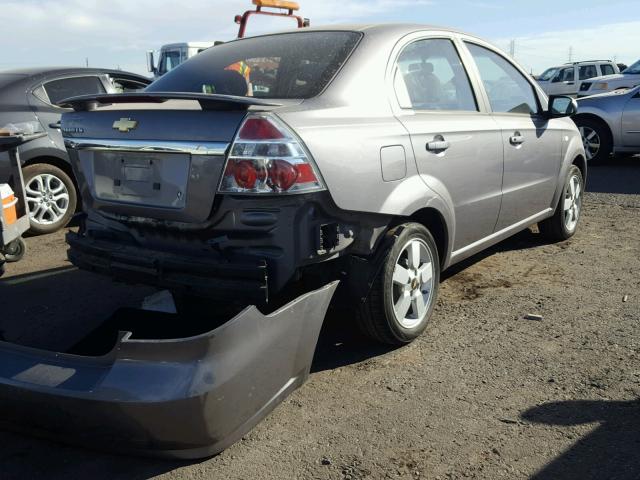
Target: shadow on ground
[618, 175]
[611, 450]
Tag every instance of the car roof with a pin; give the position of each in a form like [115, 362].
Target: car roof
[377, 28]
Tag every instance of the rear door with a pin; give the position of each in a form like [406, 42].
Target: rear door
[631, 121]
[457, 145]
[531, 143]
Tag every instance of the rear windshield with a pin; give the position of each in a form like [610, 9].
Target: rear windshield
[291, 65]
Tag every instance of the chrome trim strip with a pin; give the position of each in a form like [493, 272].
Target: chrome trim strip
[155, 146]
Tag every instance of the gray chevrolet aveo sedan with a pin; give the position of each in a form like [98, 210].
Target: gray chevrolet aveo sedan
[378, 154]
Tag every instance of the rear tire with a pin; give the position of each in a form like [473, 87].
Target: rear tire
[596, 138]
[51, 196]
[564, 222]
[403, 295]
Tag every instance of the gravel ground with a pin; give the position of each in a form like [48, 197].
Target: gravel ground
[484, 394]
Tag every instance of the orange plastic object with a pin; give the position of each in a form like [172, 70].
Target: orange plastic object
[277, 4]
[9, 209]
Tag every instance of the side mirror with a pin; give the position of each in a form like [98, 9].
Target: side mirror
[561, 106]
[151, 64]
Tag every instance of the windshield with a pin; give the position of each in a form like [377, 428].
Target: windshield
[170, 59]
[633, 69]
[291, 65]
[548, 74]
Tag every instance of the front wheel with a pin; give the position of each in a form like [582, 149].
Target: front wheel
[400, 303]
[564, 223]
[596, 139]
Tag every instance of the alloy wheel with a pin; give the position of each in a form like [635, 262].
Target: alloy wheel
[572, 203]
[591, 141]
[413, 276]
[48, 199]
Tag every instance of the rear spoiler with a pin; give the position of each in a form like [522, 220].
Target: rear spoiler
[207, 101]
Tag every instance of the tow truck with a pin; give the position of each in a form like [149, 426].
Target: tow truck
[173, 54]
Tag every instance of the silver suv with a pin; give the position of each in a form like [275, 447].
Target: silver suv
[379, 155]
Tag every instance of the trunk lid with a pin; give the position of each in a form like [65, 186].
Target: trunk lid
[152, 155]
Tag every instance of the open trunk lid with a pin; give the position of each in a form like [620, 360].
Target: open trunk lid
[152, 155]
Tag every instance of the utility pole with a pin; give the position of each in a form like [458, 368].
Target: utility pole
[86, 62]
[512, 48]
[570, 54]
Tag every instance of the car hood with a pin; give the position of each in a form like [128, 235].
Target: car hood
[599, 99]
[615, 78]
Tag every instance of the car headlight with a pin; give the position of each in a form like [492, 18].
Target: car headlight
[601, 86]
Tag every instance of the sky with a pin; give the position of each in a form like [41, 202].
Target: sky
[117, 33]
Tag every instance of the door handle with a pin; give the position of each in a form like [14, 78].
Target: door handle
[516, 139]
[438, 144]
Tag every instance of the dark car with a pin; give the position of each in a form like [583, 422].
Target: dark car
[31, 95]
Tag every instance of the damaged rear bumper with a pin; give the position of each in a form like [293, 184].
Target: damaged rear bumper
[178, 398]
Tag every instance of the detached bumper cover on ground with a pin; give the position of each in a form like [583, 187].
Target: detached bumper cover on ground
[181, 398]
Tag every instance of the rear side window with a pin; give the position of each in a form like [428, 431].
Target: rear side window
[587, 71]
[292, 65]
[58, 90]
[430, 76]
[508, 90]
[607, 69]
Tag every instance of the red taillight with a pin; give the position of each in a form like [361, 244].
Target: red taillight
[259, 129]
[245, 174]
[282, 175]
[267, 158]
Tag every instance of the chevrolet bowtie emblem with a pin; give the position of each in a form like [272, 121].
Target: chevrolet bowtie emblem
[125, 125]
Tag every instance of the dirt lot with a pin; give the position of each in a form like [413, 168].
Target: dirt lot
[485, 394]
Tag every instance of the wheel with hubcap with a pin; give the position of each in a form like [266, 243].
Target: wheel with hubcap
[51, 196]
[564, 222]
[596, 139]
[403, 295]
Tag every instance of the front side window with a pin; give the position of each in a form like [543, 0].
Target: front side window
[587, 71]
[292, 65]
[565, 75]
[58, 90]
[508, 90]
[430, 76]
[607, 69]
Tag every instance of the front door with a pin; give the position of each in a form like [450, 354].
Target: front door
[564, 82]
[457, 147]
[631, 121]
[531, 143]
